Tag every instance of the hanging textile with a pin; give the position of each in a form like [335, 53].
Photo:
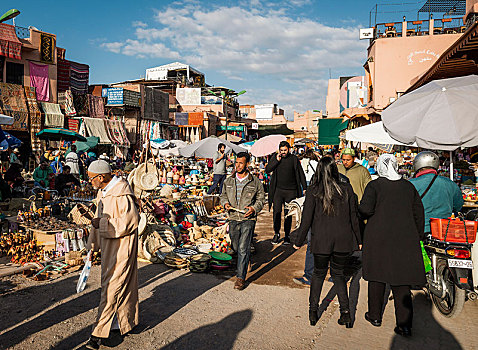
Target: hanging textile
[65, 100]
[14, 104]
[79, 74]
[117, 133]
[80, 102]
[10, 46]
[120, 151]
[47, 48]
[96, 127]
[96, 106]
[40, 81]
[73, 124]
[53, 116]
[35, 117]
[63, 74]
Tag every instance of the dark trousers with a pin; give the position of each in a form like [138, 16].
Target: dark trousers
[218, 180]
[281, 197]
[309, 259]
[337, 265]
[241, 238]
[402, 298]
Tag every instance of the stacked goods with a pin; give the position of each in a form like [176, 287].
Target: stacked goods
[173, 260]
[199, 262]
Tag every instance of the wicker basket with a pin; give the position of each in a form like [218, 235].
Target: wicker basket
[81, 214]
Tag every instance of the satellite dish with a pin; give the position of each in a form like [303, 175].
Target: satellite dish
[9, 15]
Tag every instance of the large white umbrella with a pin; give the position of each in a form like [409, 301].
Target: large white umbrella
[372, 133]
[207, 148]
[440, 115]
[267, 145]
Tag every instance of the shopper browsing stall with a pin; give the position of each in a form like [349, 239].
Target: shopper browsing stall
[219, 168]
[115, 233]
[243, 197]
[42, 175]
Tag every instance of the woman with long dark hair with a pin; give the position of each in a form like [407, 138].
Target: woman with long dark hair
[330, 210]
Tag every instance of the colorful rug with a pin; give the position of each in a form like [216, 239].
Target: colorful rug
[35, 117]
[80, 102]
[63, 75]
[79, 75]
[13, 103]
[96, 106]
[10, 46]
[65, 100]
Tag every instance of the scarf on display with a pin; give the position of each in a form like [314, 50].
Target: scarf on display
[96, 106]
[65, 100]
[80, 102]
[387, 167]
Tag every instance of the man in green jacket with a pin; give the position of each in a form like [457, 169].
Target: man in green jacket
[243, 197]
[42, 175]
[357, 174]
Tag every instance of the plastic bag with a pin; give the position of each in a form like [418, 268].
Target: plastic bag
[426, 259]
[85, 273]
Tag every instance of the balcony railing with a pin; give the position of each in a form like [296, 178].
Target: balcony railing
[420, 27]
[22, 33]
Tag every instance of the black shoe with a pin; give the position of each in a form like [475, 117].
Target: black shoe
[345, 319]
[313, 317]
[403, 331]
[94, 343]
[376, 323]
[286, 240]
[275, 239]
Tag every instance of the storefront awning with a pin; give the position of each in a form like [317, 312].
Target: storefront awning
[329, 130]
[279, 129]
[10, 46]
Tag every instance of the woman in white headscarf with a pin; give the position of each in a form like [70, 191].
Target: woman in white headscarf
[391, 243]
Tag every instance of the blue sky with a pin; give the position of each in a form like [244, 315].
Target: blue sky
[279, 51]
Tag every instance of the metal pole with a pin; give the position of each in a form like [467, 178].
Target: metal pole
[451, 165]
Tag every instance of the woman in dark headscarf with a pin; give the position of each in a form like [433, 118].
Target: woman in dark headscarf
[330, 211]
[391, 243]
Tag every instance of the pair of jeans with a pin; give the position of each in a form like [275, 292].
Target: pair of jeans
[321, 265]
[241, 233]
[281, 197]
[402, 298]
[309, 259]
[218, 181]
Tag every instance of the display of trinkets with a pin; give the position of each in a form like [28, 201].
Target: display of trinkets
[34, 214]
[21, 246]
[82, 193]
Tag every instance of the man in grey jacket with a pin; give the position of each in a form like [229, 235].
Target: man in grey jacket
[243, 197]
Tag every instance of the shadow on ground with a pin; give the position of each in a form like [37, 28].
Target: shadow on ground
[219, 336]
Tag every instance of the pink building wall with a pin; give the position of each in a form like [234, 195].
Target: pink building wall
[395, 63]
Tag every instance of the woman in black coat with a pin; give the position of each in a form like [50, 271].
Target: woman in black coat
[330, 210]
[391, 242]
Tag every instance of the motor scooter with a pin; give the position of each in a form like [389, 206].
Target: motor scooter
[450, 282]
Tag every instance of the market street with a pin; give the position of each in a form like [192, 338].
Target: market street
[184, 310]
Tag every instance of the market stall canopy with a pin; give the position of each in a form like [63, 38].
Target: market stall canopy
[6, 120]
[439, 115]
[372, 133]
[329, 130]
[267, 145]
[58, 134]
[231, 137]
[279, 129]
[207, 148]
[83, 146]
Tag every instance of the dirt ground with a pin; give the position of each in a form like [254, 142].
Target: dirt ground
[184, 310]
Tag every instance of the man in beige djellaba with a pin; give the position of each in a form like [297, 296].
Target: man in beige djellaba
[114, 232]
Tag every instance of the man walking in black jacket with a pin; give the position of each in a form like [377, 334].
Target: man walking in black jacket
[287, 183]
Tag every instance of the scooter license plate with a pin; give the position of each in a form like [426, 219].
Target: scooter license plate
[462, 264]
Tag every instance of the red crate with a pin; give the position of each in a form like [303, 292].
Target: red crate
[456, 230]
